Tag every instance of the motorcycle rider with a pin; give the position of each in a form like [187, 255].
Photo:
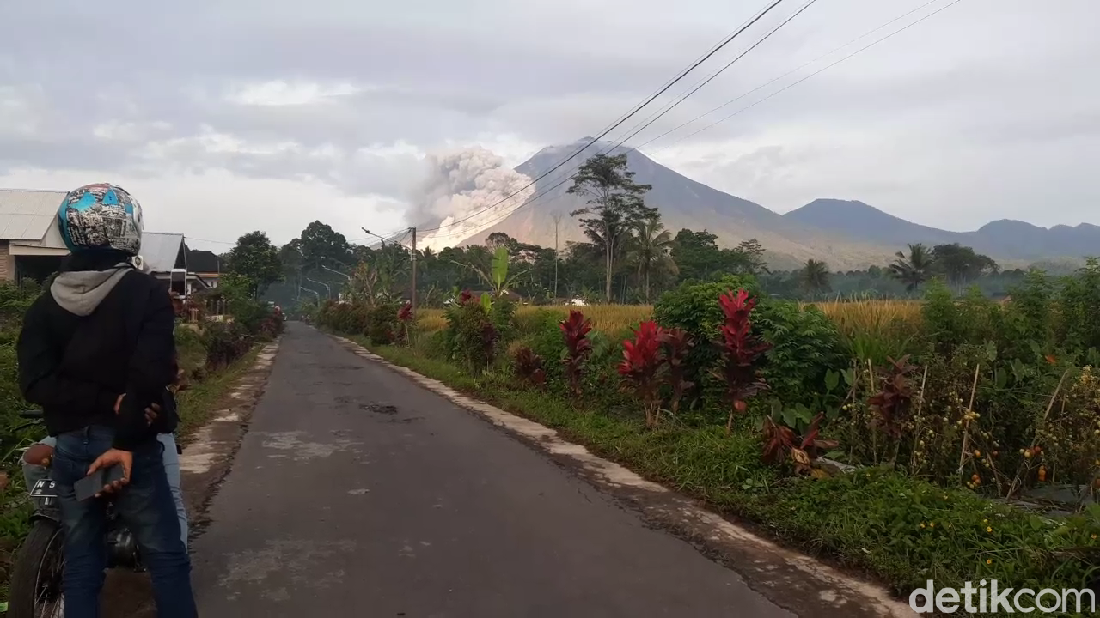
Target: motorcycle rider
[36, 459]
[95, 353]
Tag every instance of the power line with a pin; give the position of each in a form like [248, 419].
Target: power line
[615, 125]
[216, 242]
[698, 60]
[729, 64]
[817, 72]
[788, 73]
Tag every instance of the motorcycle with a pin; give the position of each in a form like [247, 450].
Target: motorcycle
[35, 589]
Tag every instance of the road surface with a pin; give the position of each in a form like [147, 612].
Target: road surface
[357, 492]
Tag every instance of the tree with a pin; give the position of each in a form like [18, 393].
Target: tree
[814, 276]
[615, 205]
[323, 246]
[257, 260]
[914, 269]
[960, 264]
[653, 245]
[750, 257]
[556, 216]
[697, 254]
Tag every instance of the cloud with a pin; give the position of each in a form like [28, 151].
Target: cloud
[982, 112]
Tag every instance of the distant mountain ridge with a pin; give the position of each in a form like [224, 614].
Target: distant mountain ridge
[683, 202]
[846, 234]
[1005, 238]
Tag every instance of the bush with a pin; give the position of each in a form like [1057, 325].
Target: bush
[805, 344]
[694, 308]
[540, 332]
[381, 323]
[805, 347]
[471, 335]
[225, 343]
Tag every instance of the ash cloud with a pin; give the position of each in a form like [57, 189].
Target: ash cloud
[462, 183]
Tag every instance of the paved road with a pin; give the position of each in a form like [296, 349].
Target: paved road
[358, 493]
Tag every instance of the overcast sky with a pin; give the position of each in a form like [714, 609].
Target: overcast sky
[226, 116]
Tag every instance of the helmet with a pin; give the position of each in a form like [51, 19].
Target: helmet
[100, 216]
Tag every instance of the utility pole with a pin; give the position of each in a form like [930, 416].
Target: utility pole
[557, 223]
[412, 230]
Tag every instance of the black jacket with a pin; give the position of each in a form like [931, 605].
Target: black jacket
[95, 335]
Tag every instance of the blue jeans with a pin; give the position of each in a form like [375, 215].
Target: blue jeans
[33, 473]
[145, 506]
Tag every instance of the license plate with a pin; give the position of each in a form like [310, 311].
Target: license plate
[44, 488]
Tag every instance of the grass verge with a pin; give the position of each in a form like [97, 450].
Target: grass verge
[900, 530]
[196, 404]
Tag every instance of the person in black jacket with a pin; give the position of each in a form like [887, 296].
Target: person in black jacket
[96, 353]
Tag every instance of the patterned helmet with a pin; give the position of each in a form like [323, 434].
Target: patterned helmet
[100, 216]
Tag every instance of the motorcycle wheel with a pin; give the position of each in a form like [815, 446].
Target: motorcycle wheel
[35, 589]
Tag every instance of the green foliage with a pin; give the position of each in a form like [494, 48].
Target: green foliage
[694, 306]
[472, 336]
[502, 313]
[257, 260]
[1029, 317]
[381, 323]
[914, 269]
[805, 343]
[806, 346]
[1079, 305]
[540, 332]
[225, 342]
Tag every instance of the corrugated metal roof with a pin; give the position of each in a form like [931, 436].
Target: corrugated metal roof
[160, 250]
[28, 215]
[31, 216]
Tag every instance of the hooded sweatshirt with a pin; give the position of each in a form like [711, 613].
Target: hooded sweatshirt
[100, 333]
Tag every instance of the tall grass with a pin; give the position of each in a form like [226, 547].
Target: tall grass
[606, 318]
[875, 329]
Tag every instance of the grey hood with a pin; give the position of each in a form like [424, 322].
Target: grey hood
[81, 291]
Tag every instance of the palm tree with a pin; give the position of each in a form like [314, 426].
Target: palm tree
[815, 276]
[653, 244]
[914, 269]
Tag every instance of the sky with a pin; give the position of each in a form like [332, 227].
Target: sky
[227, 117]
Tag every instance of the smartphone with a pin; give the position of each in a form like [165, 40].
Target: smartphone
[92, 484]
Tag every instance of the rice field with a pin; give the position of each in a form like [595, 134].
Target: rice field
[852, 317]
[607, 318]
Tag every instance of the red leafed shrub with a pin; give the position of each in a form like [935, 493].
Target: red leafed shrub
[780, 442]
[404, 318]
[677, 344]
[529, 367]
[741, 352]
[465, 297]
[575, 331]
[894, 400]
[641, 364]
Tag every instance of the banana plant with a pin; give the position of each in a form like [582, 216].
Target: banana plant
[496, 277]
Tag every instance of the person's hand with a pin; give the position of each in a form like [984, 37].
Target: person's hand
[38, 455]
[114, 457]
[151, 413]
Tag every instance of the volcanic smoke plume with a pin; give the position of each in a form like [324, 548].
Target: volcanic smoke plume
[464, 192]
